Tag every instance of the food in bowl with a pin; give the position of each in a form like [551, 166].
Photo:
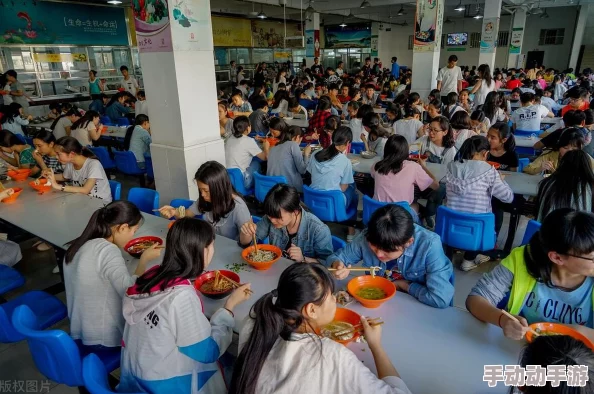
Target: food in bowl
[19, 175]
[262, 260]
[140, 247]
[216, 284]
[550, 329]
[371, 293]
[368, 154]
[368, 285]
[12, 198]
[494, 164]
[339, 331]
[262, 256]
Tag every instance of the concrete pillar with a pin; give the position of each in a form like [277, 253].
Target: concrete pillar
[181, 92]
[425, 62]
[578, 36]
[312, 33]
[489, 32]
[517, 38]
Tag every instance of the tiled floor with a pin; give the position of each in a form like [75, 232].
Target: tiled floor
[16, 364]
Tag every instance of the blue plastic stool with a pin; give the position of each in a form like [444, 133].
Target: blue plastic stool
[126, 162]
[263, 184]
[95, 375]
[357, 147]
[466, 231]
[116, 190]
[337, 243]
[531, 229]
[103, 155]
[10, 279]
[145, 199]
[148, 166]
[48, 309]
[236, 178]
[522, 163]
[370, 206]
[123, 122]
[329, 205]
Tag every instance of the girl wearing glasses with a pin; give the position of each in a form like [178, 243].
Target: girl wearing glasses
[438, 145]
[548, 280]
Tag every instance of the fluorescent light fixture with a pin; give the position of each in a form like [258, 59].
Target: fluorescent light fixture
[115, 2]
[343, 24]
[262, 15]
[365, 4]
[459, 7]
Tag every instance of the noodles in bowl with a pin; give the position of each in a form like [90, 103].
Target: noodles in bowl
[263, 258]
[215, 284]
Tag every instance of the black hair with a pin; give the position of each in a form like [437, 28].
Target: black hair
[116, 97]
[395, 153]
[71, 145]
[294, 102]
[526, 97]
[281, 197]
[563, 231]
[279, 96]
[138, 121]
[436, 103]
[434, 93]
[236, 92]
[472, 146]
[569, 185]
[184, 255]
[45, 135]
[332, 123]
[504, 132]
[452, 98]
[444, 124]
[342, 136]
[372, 121]
[70, 112]
[113, 214]
[390, 228]
[11, 73]
[8, 139]
[414, 96]
[490, 106]
[477, 115]
[122, 68]
[298, 286]
[460, 121]
[333, 86]
[411, 110]
[577, 92]
[141, 93]
[84, 120]
[364, 110]
[11, 112]
[355, 105]
[589, 114]
[279, 74]
[570, 136]
[452, 58]
[277, 124]
[574, 118]
[259, 103]
[215, 176]
[485, 71]
[353, 92]
[55, 106]
[289, 133]
[240, 125]
[324, 103]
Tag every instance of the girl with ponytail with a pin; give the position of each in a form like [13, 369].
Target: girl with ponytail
[280, 349]
[81, 168]
[377, 135]
[96, 276]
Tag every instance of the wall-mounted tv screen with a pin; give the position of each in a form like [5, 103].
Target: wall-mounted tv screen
[457, 39]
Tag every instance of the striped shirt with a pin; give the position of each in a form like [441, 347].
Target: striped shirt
[53, 163]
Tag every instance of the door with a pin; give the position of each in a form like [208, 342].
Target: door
[534, 58]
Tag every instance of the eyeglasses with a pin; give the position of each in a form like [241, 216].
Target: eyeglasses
[432, 130]
[590, 259]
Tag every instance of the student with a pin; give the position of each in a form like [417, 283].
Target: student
[449, 78]
[415, 99]
[439, 144]
[571, 139]
[281, 103]
[396, 177]
[318, 120]
[96, 276]
[464, 101]
[239, 106]
[333, 95]
[45, 155]
[138, 139]
[55, 111]
[560, 88]
[258, 93]
[350, 111]
[356, 123]
[410, 127]
[81, 168]
[225, 122]
[63, 124]
[370, 97]
[411, 256]
[277, 126]
[568, 187]
[128, 83]
[180, 339]
[528, 117]
[296, 109]
[452, 105]
[282, 333]
[117, 108]
[571, 118]
[344, 96]
[17, 90]
[434, 108]
[393, 113]
[285, 159]
[15, 119]
[480, 123]
[386, 91]
[377, 135]
[141, 106]
[98, 104]
[498, 80]
[484, 85]
[552, 270]
[259, 118]
[513, 83]
[471, 182]
[461, 128]
[502, 147]
[87, 128]
[298, 233]
[14, 151]
[578, 100]
[240, 151]
[95, 84]
[492, 110]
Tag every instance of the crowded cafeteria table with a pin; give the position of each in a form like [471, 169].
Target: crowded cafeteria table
[115, 132]
[303, 123]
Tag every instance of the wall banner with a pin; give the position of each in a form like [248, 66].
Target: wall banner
[489, 35]
[517, 37]
[351, 36]
[151, 21]
[428, 16]
[231, 32]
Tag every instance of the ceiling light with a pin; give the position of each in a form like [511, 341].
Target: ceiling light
[459, 7]
[343, 24]
[115, 2]
[262, 15]
[478, 12]
[365, 4]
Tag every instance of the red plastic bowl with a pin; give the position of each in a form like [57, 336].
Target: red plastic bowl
[414, 156]
[19, 175]
[13, 196]
[135, 241]
[359, 282]
[494, 164]
[561, 329]
[210, 275]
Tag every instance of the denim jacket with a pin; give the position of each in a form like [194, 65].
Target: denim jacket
[313, 236]
[423, 263]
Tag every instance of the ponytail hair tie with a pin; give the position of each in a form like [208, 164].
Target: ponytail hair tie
[274, 293]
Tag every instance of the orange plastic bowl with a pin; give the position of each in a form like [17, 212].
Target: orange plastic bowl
[13, 196]
[496, 165]
[170, 224]
[360, 282]
[347, 316]
[272, 141]
[383, 96]
[19, 175]
[41, 188]
[558, 329]
[262, 266]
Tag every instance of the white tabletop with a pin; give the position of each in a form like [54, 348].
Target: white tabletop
[304, 123]
[115, 132]
[526, 142]
[520, 183]
[379, 110]
[46, 124]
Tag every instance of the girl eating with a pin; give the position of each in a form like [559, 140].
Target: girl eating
[439, 144]
[45, 155]
[282, 333]
[138, 139]
[14, 119]
[318, 120]
[548, 280]
[225, 121]
[21, 154]
[410, 127]
[377, 135]
[218, 201]
[81, 169]
[87, 128]
[298, 233]
[464, 101]
[502, 147]
[461, 128]
[178, 350]
[285, 159]
[96, 276]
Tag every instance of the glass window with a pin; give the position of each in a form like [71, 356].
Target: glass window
[260, 55]
[242, 56]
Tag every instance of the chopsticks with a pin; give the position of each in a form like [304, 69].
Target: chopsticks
[372, 270]
[255, 240]
[235, 284]
[358, 328]
[506, 313]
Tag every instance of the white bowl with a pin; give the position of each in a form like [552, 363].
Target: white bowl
[368, 154]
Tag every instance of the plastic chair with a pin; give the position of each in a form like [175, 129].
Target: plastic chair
[123, 122]
[523, 162]
[148, 166]
[21, 138]
[532, 227]
[126, 162]
[95, 376]
[178, 202]
[466, 231]
[56, 355]
[10, 279]
[357, 147]
[263, 184]
[236, 178]
[29, 141]
[527, 133]
[145, 199]
[370, 206]
[116, 190]
[103, 156]
[48, 309]
[105, 120]
[329, 205]
[337, 243]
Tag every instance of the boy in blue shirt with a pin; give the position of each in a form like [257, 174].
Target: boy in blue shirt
[409, 255]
